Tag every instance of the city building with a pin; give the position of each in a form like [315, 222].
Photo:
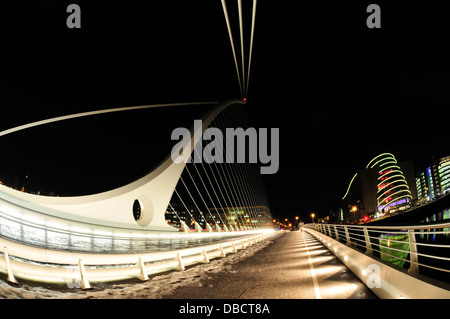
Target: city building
[336, 215]
[434, 181]
[422, 188]
[384, 186]
[444, 174]
[239, 216]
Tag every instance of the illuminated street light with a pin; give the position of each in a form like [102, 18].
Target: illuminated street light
[353, 210]
[312, 216]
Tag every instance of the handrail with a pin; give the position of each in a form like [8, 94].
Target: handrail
[44, 265]
[432, 226]
[410, 250]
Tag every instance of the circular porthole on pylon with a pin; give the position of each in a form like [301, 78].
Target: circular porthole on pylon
[137, 207]
[143, 210]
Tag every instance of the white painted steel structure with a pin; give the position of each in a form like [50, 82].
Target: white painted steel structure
[110, 209]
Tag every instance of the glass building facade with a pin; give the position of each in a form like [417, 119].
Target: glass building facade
[435, 180]
[444, 174]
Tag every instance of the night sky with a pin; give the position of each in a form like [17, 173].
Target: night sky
[340, 93]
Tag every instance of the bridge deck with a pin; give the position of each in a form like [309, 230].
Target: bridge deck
[294, 266]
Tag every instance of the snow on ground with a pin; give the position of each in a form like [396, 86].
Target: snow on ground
[157, 287]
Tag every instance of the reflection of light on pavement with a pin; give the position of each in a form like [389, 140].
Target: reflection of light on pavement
[317, 251]
[321, 259]
[310, 247]
[328, 270]
[340, 290]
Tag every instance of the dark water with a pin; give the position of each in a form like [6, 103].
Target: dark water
[442, 216]
[430, 241]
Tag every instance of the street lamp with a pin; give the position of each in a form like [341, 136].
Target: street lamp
[353, 210]
[312, 216]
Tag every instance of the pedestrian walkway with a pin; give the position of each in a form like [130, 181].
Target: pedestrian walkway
[295, 266]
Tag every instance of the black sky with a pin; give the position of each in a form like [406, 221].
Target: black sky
[339, 92]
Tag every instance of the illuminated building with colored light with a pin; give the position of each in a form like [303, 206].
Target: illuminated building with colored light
[430, 182]
[421, 186]
[435, 180]
[384, 186]
[444, 174]
[392, 187]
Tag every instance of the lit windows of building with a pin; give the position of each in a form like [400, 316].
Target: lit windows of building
[392, 188]
[444, 174]
[421, 186]
[430, 184]
[385, 185]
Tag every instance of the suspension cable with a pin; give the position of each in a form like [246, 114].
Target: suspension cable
[251, 43]
[225, 11]
[241, 28]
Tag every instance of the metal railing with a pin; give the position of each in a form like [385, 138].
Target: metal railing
[421, 249]
[52, 266]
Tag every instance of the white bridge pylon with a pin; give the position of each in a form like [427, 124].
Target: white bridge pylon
[112, 208]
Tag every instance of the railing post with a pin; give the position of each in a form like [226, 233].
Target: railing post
[336, 233]
[347, 236]
[84, 279]
[329, 231]
[368, 243]
[10, 277]
[180, 266]
[414, 267]
[222, 251]
[205, 259]
[143, 275]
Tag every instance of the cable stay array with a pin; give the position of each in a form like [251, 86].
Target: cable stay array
[243, 74]
[220, 196]
[224, 196]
